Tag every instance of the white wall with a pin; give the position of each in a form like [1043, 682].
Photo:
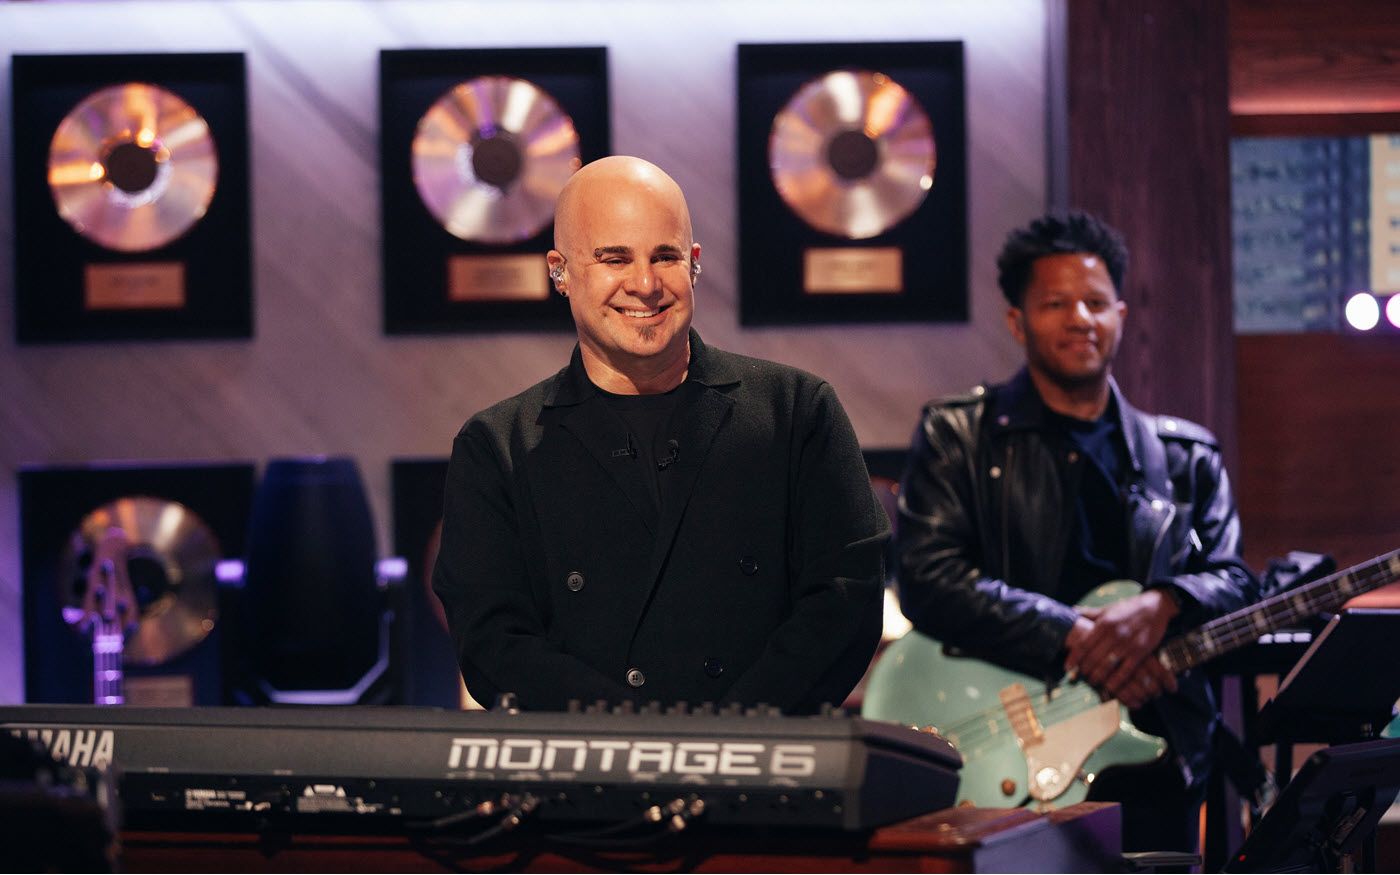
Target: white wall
[319, 376]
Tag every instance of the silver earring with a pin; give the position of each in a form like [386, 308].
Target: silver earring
[556, 273]
[694, 271]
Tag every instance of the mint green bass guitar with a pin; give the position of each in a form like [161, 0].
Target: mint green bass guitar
[1022, 743]
[1018, 744]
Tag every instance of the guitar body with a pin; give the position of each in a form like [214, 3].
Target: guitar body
[916, 683]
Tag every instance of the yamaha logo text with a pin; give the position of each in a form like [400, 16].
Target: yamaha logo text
[74, 747]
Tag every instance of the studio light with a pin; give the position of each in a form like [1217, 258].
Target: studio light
[1363, 311]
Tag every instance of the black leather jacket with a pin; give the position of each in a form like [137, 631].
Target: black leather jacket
[985, 511]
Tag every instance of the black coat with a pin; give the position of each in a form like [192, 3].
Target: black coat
[986, 511]
[760, 582]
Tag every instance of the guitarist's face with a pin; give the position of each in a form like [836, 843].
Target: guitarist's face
[1070, 320]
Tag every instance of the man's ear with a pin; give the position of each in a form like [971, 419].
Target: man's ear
[555, 260]
[1016, 324]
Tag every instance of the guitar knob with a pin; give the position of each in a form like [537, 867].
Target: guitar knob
[1008, 787]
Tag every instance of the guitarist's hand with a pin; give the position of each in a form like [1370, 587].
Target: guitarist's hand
[1113, 648]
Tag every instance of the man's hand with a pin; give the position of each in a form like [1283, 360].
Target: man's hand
[1113, 648]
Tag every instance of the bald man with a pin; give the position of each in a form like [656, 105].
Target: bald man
[660, 520]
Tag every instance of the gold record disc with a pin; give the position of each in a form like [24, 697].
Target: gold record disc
[171, 555]
[132, 167]
[490, 158]
[852, 153]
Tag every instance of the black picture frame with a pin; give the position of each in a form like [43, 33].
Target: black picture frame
[53, 503]
[52, 260]
[417, 247]
[931, 242]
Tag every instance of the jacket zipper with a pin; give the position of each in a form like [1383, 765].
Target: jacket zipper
[1157, 542]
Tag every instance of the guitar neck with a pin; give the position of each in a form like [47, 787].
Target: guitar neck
[1244, 626]
[107, 648]
[108, 643]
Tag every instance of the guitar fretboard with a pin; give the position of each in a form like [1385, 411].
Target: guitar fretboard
[1244, 626]
[107, 649]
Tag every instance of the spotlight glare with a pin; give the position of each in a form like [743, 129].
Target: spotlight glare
[1363, 312]
[1392, 310]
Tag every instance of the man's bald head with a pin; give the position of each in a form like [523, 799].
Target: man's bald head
[627, 261]
[606, 178]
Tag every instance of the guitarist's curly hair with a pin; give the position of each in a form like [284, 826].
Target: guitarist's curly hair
[1055, 234]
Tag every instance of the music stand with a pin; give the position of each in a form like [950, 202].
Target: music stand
[1328, 811]
[1343, 688]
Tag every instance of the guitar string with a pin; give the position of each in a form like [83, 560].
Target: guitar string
[979, 727]
[1316, 596]
[1239, 628]
[1233, 631]
[998, 724]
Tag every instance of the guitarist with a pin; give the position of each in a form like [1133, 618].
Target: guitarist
[1019, 499]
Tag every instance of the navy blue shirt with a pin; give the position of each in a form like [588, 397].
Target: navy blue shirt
[1097, 551]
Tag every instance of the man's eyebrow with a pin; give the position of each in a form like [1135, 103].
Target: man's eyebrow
[666, 248]
[612, 250]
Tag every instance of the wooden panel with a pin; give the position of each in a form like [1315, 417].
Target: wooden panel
[1319, 427]
[1317, 412]
[1342, 124]
[1149, 151]
[1085, 837]
[1302, 56]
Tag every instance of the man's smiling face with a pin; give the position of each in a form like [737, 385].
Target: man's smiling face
[627, 269]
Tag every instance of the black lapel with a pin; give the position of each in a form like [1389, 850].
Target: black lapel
[603, 433]
[699, 416]
[1150, 510]
[1146, 454]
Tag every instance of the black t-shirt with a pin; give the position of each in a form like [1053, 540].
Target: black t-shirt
[1098, 548]
[647, 423]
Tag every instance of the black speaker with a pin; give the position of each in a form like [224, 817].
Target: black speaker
[315, 623]
[54, 504]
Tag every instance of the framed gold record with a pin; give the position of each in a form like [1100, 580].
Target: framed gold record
[852, 172]
[178, 521]
[476, 145]
[131, 194]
